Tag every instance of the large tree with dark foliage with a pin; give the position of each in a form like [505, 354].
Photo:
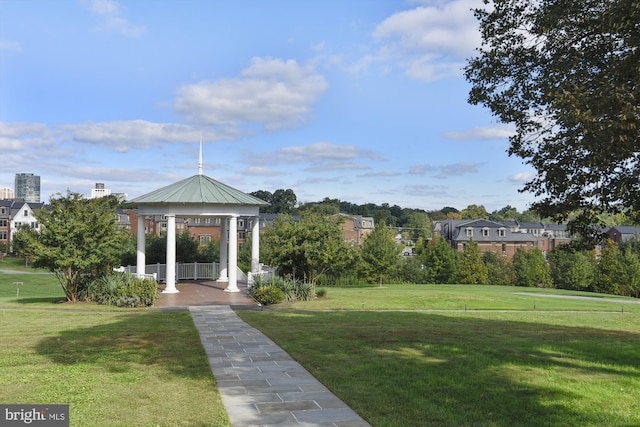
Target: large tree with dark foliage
[567, 74]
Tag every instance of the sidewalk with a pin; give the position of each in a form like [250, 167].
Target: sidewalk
[260, 384]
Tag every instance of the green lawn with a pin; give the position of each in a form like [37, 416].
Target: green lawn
[112, 366]
[461, 297]
[402, 355]
[576, 366]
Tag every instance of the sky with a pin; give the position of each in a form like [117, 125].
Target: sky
[362, 100]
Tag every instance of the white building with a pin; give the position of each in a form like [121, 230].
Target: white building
[6, 193]
[100, 191]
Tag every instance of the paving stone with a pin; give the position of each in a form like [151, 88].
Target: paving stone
[260, 384]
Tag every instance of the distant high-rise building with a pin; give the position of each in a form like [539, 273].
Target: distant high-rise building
[6, 193]
[99, 191]
[27, 187]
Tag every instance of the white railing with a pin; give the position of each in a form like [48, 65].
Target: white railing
[152, 276]
[185, 271]
[196, 271]
[264, 271]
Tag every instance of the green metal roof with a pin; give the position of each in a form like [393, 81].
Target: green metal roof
[199, 189]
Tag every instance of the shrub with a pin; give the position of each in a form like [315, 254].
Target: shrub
[138, 293]
[304, 291]
[122, 290]
[266, 295]
[321, 293]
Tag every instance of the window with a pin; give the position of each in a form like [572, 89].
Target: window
[469, 232]
[502, 232]
[242, 235]
[3, 222]
[207, 220]
[485, 232]
[241, 223]
[205, 239]
[504, 247]
[217, 221]
[196, 221]
[3, 211]
[464, 247]
[26, 212]
[3, 235]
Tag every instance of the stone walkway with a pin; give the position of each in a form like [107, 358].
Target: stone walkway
[260, 384]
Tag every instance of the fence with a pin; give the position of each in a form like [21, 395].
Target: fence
[185, 271]
[196, 271]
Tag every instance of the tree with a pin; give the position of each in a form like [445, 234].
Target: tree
[79, 240]
[281, 201]
[474, 212]
[610, 270]
[571, 268]
[499, 269]
[471, 269]
[440, 262]
[531, 269]
[309, 247]
[21, 242]
[630, 275]
[380, 253]
[418, 226]
[566, 74]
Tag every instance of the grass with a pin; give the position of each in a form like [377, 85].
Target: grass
[461, 297]
[413, 356]
[112, 366]
[506, 364]
[19, 264]
[475, 368]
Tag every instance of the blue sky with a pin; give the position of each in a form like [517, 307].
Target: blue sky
[360, 100]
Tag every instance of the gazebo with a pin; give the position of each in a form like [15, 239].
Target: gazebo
[200, 195]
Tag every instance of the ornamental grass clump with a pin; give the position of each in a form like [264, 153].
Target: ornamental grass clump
[122, 290]
[291, 289]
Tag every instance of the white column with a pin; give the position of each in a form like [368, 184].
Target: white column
[140, 235]
[223, 252]
[255, 245]
[171, 256]
[233, 255]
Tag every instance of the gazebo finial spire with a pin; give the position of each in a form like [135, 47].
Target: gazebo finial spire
[200, 159]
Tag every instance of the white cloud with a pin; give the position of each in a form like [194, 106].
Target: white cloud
[125, 135]
[428, 42]
[261, 171]
[112, 19]
[23, 136]
[522, 177]
[446, 171]
[424, 190]
[9, 45]
[271, 93]
[322, 151]
[334, 166]
[484, 133]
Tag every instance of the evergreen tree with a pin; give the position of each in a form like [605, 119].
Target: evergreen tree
[440, 262]
[572, 269]
[610, 270]
[471, 269]
[531, 269]
[380, 253]
[630, 285]
[499, 269]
